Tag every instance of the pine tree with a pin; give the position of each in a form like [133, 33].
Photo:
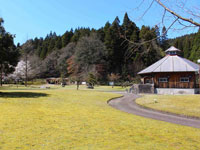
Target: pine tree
[164, 38]
[66, 38]
[44, 51]
[58, 44]
[128, 27]
[195, 54]
[116, 46]
[186, 47]
[51, 45]
[157, 31]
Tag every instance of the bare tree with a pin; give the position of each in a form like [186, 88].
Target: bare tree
[36, 66]
[26, 68]
[89, 52]
[192, 13]
[175, 12]
[26, 52]
[22, 71]
[177, 15]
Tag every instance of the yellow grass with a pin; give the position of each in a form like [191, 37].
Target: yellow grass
[82, 120]
[188, 105]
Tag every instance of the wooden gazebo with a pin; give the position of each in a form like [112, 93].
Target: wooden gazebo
[172, 72]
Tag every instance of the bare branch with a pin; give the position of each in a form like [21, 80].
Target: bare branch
[136, 46]
[147, 10]
[185, 26]
[157, 36]
[190, 11]
[139, 5]
[163, 17]
[177, 15]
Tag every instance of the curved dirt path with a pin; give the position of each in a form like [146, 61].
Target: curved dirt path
[127, 104]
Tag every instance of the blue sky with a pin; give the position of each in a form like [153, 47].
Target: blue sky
[36, 18]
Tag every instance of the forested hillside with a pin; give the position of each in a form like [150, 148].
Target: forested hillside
[189, 44]
[117, 49]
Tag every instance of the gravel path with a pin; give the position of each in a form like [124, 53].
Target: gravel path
[127, 104]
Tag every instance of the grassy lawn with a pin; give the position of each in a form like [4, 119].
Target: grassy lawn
[188, 105]
[62, 119]
[72, 87]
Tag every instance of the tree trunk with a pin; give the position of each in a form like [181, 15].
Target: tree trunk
[26, 70]
[1, 75]
[77, 85]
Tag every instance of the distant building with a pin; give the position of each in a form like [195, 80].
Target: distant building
[53, 80]
[172, 74]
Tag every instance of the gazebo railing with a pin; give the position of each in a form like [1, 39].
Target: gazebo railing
[176, 85]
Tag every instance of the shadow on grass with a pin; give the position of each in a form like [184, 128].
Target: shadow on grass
[22, 94]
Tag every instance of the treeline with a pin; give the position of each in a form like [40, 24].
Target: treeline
[189, 44]
[120, 49]
[116, 51]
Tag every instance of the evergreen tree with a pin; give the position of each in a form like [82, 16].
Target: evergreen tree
[130, 32]
[66, 38]
[101, 34]
[44, 51]
[157, 30]
[186, 47]
[149, 52]
[114, 43]
[9, 54]
[128, 27]
[164, 38]
[121, 56]
[51, 45]
[89, 51]
[195, 53]
[58, 44]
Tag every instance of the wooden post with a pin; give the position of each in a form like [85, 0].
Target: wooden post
[199, 73]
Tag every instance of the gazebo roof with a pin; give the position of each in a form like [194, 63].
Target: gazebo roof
[172, 48]
[172, 63]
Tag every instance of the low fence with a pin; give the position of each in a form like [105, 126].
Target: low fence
[143, 88]
[149, 89]
[176, 85]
